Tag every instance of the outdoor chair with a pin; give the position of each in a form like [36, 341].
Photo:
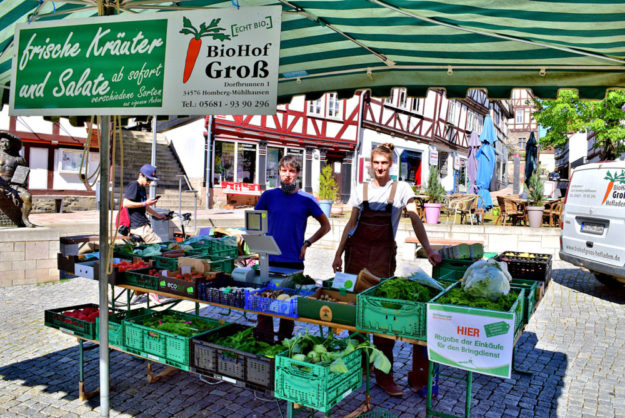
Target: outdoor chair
[510, 209]
[553, 211]
[478, 208]
[461, 205]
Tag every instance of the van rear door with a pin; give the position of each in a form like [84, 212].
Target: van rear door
[594, 214]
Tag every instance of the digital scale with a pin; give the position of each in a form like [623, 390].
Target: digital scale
[256, 225]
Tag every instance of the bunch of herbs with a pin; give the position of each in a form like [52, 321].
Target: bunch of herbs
[244, 341]
[177, 324]
[457, 296]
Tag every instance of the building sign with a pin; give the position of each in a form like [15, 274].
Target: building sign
[473, 339]
[434, 157]
[195, 62]
[247, 189]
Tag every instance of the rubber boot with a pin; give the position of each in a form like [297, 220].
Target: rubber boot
[418, 377]
[264, 329]
[385, 380]
[285, 329]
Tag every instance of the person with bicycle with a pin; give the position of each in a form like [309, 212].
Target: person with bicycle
[137, 202]
[288, 209]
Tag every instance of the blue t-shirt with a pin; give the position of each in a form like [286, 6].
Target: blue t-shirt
[288, 215]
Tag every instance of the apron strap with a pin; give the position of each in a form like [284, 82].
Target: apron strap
[391, 197]
[365, 195]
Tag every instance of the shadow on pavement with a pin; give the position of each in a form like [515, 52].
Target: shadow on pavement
[533, 394]
[585, 282]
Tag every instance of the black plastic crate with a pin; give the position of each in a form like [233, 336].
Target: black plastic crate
[239, 367]
[529, 266]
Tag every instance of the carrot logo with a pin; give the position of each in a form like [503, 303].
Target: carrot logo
[613, 178]
[195, 43]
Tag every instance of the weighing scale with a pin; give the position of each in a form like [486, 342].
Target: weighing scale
[256, 224]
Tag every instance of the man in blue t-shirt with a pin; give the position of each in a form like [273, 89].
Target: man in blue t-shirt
[288, 209]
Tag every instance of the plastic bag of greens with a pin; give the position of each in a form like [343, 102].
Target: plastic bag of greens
[413, 272]
[149, 251]
[487, 278]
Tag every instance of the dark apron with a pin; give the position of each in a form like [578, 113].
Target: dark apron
[372, 245]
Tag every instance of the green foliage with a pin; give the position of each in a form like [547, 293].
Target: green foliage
[568, 114]
[328, 189]
[434, 189]
[536, 190]
[404, 289]
[177, 324]
[457, 296]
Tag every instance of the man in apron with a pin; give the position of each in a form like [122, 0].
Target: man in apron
[369, 242]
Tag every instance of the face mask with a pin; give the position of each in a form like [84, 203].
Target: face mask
[288, 188]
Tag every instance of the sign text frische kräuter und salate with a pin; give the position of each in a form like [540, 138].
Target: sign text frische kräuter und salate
[220, 61]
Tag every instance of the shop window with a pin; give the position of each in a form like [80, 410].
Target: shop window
[273, 175]
[223, 169]
[246, 163]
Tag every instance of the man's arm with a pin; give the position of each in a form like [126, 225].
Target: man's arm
[324, 228]
[349, 226]
[434, 257]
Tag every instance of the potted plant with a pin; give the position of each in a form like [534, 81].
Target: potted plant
[435, 193]
[328, 190]
[536, 200]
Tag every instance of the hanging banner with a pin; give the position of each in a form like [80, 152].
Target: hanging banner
[247, 189]
[195, 62]
[473, 339]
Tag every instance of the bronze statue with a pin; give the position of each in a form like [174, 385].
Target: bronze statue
[13, 176]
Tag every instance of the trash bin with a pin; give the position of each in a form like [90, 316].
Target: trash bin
[161, 227]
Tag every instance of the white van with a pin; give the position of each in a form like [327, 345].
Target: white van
[593, 221]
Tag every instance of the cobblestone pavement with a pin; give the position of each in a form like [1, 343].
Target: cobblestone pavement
[573, 348]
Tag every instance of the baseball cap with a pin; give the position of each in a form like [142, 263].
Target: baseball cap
[149, 171]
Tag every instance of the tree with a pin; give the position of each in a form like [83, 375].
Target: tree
[568, 114]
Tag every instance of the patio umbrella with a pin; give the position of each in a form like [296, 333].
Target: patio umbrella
[486, 161]
[531, 158]
[474, 145]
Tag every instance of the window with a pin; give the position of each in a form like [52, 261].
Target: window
[519, 116]
[273, 175]
[522, 143]
[246, 163]
[334, 106]
[402, 98]
[451, 113]
[314, 107]
[223, 169]
[416, 105]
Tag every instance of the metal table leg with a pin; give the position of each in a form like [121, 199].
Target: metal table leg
[82, 395]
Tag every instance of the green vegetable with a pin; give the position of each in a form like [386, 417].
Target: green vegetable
[177, 324]
[330, 351]
[487, 278]
[457, 296]
[404, 289]
[245, 341]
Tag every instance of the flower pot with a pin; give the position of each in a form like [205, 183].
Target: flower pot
[432, 212]
[326, 206]
[535, 216]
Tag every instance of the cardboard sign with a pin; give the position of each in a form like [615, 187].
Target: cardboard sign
[344, 281]
[246, 189]
[193, 62]
[478, 340]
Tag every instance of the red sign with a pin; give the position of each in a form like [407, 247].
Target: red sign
[247, 189]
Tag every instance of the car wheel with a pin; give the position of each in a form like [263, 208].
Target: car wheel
[609, 281]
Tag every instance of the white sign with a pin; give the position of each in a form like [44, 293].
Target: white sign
[473, 339]
[192, 62]
[434, 157]
[344, 280]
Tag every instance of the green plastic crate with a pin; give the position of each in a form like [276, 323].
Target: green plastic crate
[225, 265]
[165, 263]
[162, 346]
[374, 315]
[447, 265]
[314, 385]
[450, 278]
[531, 295]
[116, 327]
[140, 278]
[518, 307]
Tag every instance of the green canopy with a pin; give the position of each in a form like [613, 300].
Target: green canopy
[345, 45]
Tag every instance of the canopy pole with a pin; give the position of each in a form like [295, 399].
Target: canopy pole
[105, 170]
[153, 159]
[209, 133]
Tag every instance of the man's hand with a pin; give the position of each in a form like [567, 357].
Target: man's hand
[434, 257]
[150, 202]
[337, 264]
[302, 251]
